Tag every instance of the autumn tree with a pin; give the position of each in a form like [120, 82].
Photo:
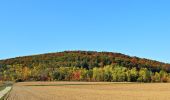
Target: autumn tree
[132, 75]
[144, 75]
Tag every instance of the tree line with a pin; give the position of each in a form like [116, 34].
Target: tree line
[109, 73]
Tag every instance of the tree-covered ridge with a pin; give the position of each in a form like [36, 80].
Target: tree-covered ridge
[83, 66]
[85, 59]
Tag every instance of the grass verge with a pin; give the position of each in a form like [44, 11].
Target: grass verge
[3, 86]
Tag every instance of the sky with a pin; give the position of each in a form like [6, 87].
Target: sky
[133, 27]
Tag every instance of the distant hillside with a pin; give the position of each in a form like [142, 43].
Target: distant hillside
[85, 59]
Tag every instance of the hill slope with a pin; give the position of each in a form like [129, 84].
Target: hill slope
[85, 59]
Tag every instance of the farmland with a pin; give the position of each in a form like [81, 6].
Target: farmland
[89, 91]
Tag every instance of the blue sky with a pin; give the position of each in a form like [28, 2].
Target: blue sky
[134, 27]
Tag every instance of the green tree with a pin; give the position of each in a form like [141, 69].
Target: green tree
[108, 73]
[156, 77]
[89, 74]
[98, 74]
[60, 73]
[119, 74]
[132, 75]
[83, 75]
[144, 75]
[164, 76]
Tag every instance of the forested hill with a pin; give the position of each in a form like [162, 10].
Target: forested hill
[85, 59]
